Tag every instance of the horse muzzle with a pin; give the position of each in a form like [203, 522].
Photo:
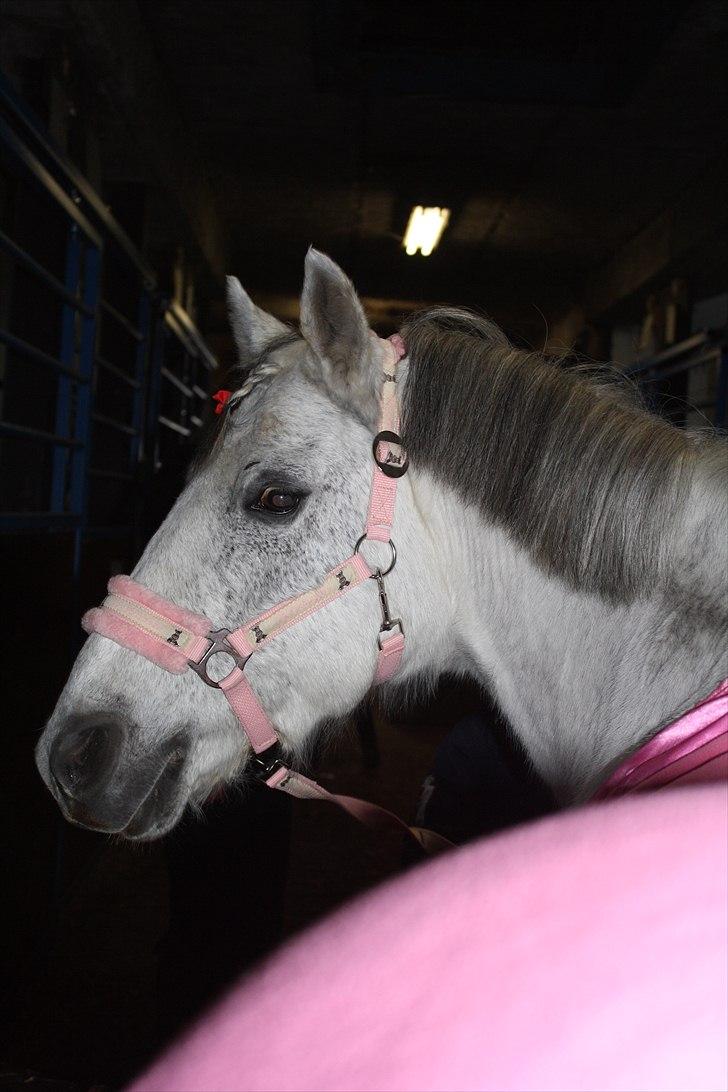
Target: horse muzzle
[99, 783]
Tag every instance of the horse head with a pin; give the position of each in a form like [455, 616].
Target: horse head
[278, 499]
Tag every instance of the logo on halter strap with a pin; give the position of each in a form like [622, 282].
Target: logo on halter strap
[258, 634]
[174, 639]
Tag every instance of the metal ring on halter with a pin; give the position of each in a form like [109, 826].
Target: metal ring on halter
[395, 465]
[218, 639]
[392, 563]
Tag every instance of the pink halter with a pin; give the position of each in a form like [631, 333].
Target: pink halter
[176, 639]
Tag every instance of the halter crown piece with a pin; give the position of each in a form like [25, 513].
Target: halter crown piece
[176, 639]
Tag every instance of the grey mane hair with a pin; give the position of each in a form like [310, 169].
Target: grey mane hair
[570, 464]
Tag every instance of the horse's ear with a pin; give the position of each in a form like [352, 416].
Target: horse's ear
[335, 326]
[252, 327]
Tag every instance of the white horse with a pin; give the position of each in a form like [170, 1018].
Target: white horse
[556, 543]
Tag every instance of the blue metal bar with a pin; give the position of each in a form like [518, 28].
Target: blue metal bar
[178, 330]
[80, 462]
[24, 432]
[26, 349]
[141, 362]
[46, 181]
[23, 258]
[172, 378]
[174, 426]
[112, 369]
[186, 330]
[122, 320]
[111, 422]
[154, 390]
[681, 366]
[681, 347]
[68, 354]
[73, 179]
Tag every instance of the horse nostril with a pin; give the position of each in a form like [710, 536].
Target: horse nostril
[79, 758]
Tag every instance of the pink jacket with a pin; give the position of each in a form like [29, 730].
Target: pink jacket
[585, 951]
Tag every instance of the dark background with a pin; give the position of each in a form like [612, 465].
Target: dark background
[583, 151]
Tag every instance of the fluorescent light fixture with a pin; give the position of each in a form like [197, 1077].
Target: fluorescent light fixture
[424, 229]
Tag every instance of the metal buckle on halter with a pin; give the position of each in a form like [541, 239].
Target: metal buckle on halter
[218, 639]
[267, 762]
[388, 623]
[393, 551]
[394, 466]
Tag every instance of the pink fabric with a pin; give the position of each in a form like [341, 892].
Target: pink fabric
[381, 506]
[371, 815]
[692, 748]
[380, 514]
[108, 624]
[309, 602]
[196, 623]
[586, 951]
[249, 711]
[389, 658]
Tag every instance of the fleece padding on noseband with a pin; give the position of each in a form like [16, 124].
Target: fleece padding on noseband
[142, 621]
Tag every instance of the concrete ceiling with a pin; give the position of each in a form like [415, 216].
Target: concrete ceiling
[556, 132]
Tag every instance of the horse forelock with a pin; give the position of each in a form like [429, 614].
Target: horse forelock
[567, 461]
[264, 365]
[243, 379]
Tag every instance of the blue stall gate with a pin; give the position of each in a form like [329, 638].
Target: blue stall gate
[102, 376]
[701, 361]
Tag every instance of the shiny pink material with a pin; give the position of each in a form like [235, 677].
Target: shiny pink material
[583, 952]
[693, 748]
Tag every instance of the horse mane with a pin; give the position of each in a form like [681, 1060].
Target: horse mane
[565, 460]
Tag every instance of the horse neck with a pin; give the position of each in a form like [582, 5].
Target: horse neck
[583, 681]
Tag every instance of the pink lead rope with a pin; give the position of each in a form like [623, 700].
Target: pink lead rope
[176, 639]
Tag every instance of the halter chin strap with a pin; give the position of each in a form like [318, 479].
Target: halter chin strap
[177, 639]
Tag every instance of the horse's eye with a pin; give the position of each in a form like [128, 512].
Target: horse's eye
[278, 500]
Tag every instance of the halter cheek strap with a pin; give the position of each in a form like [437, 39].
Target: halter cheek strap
[177, 639]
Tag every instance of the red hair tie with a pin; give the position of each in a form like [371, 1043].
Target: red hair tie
[222, 398]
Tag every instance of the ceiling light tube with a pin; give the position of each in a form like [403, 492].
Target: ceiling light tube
[424, 229]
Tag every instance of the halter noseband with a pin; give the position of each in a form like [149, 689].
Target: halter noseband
[177, 639]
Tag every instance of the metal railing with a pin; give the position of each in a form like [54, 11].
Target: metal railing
[100, 378]
[698, 368]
